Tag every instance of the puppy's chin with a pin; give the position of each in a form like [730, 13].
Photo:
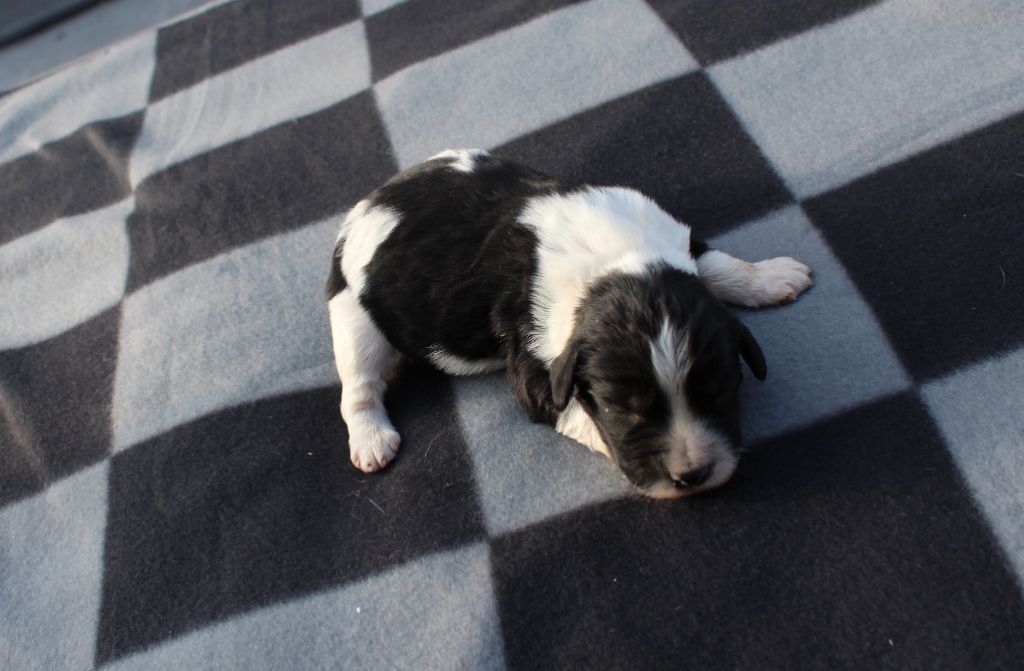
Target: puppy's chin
[666, 489]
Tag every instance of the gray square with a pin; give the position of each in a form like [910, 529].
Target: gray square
[980, 411]
[63, 274]
[220, 333]
[847, 98]
[51, 568]
[526, 472]
[826, 352]
[437, 612]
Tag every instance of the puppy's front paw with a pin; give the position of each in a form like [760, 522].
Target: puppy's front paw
[780, 280]
[372, 445]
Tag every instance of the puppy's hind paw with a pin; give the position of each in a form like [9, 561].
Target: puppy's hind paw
[780, 280]
[372, 445]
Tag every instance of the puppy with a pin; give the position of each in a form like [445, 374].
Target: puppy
[603, 310]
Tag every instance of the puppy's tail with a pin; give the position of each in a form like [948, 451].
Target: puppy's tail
[335, 279]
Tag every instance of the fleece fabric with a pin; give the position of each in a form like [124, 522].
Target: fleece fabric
[175, 491]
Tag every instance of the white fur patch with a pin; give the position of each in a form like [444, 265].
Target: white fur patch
[770, 282]
[455, 365]
[586, 235]
[691, 443]
[364, 359]
[463, 160]
[669, 359]
[575, 423]
[363, 229]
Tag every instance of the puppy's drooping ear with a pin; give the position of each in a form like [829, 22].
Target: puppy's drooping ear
[563, 374]
[751, 352]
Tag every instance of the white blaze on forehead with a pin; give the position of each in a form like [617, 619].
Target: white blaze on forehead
[670, 360]
[364, 229]
[588, 234]
[692, 443]
[463, 160]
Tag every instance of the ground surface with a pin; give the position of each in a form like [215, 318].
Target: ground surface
[174, 490]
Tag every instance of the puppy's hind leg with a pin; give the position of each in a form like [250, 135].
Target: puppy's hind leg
[364, 358]
[771, 282]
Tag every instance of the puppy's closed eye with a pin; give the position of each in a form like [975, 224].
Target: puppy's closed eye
[629, 414]
[712, 388]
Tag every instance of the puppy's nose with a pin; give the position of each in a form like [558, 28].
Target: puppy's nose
[693, 478]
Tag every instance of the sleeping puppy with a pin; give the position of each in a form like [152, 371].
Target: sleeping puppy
[603, 310]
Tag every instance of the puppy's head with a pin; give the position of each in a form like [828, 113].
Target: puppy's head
[654, 360]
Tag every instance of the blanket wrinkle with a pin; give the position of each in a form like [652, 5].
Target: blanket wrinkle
[20, 439]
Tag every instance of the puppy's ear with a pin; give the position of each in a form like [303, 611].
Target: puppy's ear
[563, 374]
[751, 352]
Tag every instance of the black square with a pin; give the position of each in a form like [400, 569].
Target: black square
[258, 504]
[84, 171]
[227, 36]
[677, 142]
[934, 245]
[56, 405]
[714, 30]
[293, 174]
[419, 29]
[850, 544]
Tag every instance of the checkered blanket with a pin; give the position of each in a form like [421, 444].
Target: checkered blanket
[174, 485]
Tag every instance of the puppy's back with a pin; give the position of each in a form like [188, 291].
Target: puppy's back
[432, 251]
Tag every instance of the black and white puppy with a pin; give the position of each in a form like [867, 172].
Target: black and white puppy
[601, 307]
